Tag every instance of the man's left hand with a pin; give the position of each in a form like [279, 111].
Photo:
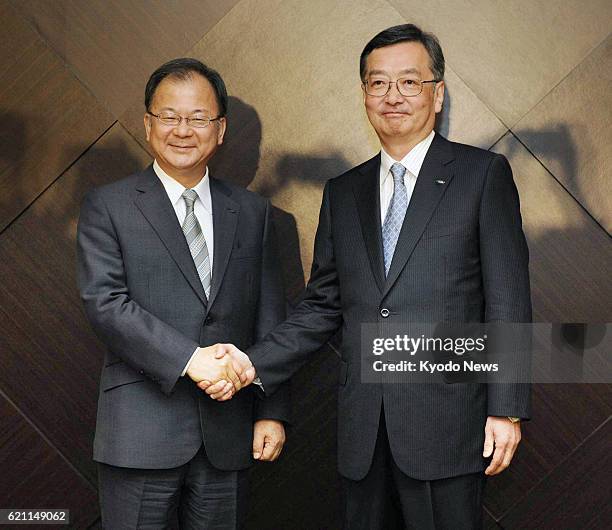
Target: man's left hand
[505, 436]
[268, 440]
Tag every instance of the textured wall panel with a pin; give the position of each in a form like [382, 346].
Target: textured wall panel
[126, 40]
[464, 118]
[304, 87]
[34, 475]
[48, 117]
[569, 262]
[570, 131]
[575, 495]
[563, 416]
[512, 53]
[297, 119]
[50, 358]
[570, 254]
[305, 475]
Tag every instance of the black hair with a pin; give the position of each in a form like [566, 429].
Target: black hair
[406, 33]
[183, 68]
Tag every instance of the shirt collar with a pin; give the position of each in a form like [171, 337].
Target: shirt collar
[175, 189]
[412, 161]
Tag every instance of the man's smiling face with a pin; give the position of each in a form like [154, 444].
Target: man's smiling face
[181, 149]
[395, 116]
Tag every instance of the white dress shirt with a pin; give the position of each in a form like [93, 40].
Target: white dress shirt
[412, 162]
[202, 209]
[202, 206]
[203, 212]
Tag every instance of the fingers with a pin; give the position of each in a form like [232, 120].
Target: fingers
[220, 389]
[269, 449]
[278, 448]
[512, 447]
[495, 466]
[277, 451]
[506, 437]
[250, 373]
[258, 443]
[228, 395]
[240, 362]
[211, 388]
[268, 440]
[222, 362]
[242, 374]
[221, 350]
[231, 373]
[488, 443]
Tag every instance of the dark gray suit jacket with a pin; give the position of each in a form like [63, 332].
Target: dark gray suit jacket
[461, 257]
[144, 300]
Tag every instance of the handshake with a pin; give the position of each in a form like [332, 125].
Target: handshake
[221, 370]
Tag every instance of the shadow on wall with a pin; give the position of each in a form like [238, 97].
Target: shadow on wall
[238, 162]
[307, 468]
[569, 283]
[555, 143]
[442, 125]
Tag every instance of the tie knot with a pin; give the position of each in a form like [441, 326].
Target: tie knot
[398, 171]
[190, 196]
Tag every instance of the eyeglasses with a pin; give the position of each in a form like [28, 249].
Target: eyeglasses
[406, 86]
[174, 120]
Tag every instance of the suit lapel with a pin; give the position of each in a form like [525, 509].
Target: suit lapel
[367, 196]
[225, 221]
[155, 205]
[434, 178]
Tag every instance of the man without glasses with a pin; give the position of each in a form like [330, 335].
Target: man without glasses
[426, 231]
[171, 259]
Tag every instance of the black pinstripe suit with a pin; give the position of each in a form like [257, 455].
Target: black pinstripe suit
[461, 257]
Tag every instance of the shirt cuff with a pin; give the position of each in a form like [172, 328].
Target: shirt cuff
[258, 382]
[189, 362]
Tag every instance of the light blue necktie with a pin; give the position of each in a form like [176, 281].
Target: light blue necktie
[196, 241]
[395, 214]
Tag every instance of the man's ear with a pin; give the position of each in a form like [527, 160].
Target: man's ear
[147, 125]
[221, 127]
[439, 96]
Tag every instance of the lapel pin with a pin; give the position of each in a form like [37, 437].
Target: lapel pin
[440, 181]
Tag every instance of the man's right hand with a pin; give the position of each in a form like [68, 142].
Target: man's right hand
[214, 365]
[241, 363]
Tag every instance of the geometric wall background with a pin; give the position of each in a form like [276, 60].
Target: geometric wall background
[531, 79]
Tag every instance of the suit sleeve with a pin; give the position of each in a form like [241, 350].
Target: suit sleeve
[140, 339]
[505, 275]
[271, 312]
[313, 321]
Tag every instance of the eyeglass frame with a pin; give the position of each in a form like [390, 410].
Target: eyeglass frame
[365, 88]
[187, 119]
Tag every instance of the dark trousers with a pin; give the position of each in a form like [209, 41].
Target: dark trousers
[387, 499]
[193, 496]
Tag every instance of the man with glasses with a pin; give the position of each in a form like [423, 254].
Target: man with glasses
[172, 260]
[426, 231]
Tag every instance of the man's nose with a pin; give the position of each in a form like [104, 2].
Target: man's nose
[182, 129]
[394, 96]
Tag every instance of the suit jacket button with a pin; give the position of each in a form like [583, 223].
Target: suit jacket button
[384, 312]
[209, 320]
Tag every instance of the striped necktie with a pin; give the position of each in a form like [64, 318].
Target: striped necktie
[195, 240]
[395, 214]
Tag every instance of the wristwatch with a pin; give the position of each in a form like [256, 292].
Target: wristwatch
[514, 420]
